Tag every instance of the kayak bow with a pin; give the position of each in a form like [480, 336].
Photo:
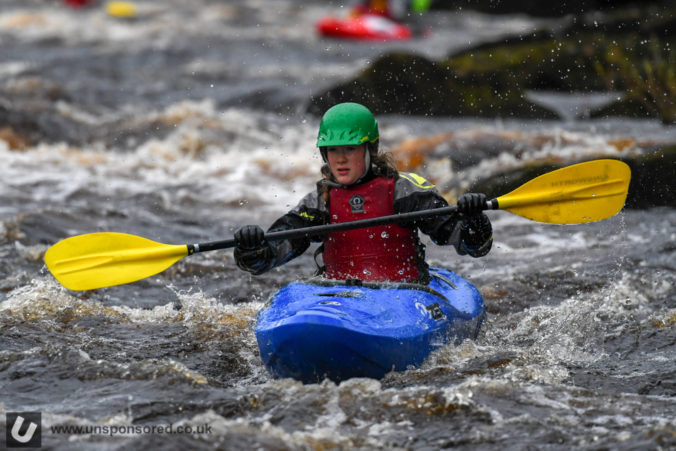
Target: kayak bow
[341, 329]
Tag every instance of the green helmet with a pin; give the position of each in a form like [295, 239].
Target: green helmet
[347, 124]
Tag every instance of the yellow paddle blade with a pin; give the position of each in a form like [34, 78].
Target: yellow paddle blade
[584, 192]
[97, 260]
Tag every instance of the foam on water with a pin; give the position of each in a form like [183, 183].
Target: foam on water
[44, 298]
[181, 166]
[211, 324]
[541, 343]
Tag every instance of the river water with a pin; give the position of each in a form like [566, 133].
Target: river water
[187, 122]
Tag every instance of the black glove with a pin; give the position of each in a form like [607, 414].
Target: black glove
[472, 204]
[249, 237]
[252, 254]
[477, 235]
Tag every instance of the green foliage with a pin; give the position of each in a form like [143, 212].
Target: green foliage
[646, 72]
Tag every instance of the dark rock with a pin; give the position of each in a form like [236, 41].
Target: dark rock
[409, 84]
[542, 61]
[653, 179]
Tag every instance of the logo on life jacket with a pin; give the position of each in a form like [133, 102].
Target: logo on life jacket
[357, 203]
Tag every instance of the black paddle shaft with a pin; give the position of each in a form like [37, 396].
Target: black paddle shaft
[320, 230]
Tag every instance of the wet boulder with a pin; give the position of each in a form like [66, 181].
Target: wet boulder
[399, 83]
[653, 179]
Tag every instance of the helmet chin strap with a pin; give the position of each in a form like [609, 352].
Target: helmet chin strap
[367, 164]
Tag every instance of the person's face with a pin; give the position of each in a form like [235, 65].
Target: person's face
[346, 162]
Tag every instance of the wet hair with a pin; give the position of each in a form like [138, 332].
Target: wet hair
[382, 165]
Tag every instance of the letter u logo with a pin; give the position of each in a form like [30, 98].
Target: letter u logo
[26, 436]
[23, 429]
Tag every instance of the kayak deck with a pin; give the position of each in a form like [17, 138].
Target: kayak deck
[338, 329]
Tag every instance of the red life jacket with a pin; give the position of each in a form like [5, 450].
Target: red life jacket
[372, 254]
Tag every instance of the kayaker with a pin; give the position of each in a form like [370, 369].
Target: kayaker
[361, 182]
[392, 9]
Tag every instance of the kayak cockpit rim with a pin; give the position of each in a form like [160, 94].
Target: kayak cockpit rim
[323, 282]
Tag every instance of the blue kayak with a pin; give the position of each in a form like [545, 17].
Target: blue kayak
[323, 328]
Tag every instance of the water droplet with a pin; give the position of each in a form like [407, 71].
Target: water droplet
[384, 235]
